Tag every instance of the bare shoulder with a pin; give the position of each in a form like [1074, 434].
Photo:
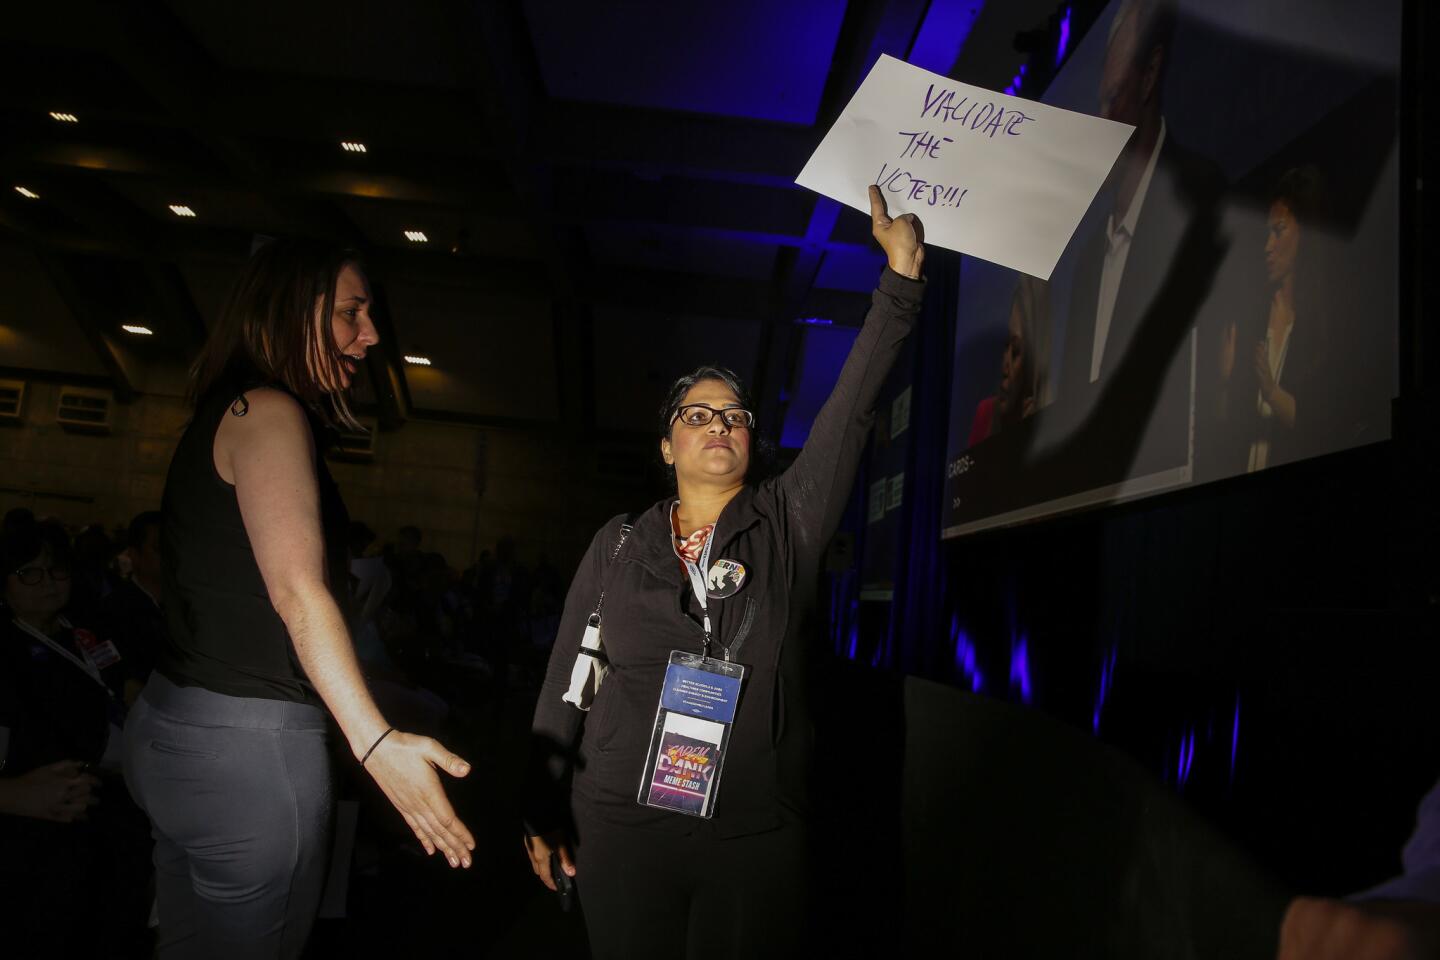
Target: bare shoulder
[266, 407]
[260, 419]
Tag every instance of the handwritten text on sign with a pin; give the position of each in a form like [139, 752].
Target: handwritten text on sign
[1001, 178]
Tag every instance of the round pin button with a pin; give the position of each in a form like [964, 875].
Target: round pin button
[725, 579]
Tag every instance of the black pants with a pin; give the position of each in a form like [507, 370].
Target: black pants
[695, 897]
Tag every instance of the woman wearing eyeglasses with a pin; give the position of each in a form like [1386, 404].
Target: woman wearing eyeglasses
[73, 849]
[671, 859]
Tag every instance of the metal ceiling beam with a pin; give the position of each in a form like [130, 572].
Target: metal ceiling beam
[89, 202]
[165, 59]
[867, 31]
[66, 275]
[514, 103]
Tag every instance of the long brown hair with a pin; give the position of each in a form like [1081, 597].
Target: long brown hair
[267, 329]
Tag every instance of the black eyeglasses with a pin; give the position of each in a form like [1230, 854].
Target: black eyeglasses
[700, 415]
[32, 575]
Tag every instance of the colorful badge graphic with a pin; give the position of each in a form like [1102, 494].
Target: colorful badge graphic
[725, 579]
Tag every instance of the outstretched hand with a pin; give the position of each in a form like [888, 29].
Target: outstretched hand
[404, 766]
[902, 238]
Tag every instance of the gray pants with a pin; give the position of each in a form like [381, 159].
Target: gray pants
[238, 793]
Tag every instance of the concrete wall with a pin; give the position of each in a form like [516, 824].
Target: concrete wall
[464, 486]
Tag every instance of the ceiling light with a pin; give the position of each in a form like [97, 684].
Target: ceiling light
[416, 236]
[417, 360]
[180, 210]
[137, 329]
[64, 117]
[352, 146]
[27, 193]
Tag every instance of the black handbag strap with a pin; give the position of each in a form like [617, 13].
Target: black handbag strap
[625, 530]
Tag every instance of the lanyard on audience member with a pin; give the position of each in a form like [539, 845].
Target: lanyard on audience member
[697, 579]
[82, 662]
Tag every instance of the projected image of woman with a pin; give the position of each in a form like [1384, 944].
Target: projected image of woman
[1273, 383]
[727, 564]
[226, 746]
[1024, 363]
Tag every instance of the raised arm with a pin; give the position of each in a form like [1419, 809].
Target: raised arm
[817, 484]
[268, 454]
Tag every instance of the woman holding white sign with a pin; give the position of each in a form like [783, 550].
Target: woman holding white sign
[692, 614]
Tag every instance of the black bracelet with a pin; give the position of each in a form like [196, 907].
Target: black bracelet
[388, 731]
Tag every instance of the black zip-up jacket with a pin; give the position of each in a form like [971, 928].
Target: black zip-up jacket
[779, 530]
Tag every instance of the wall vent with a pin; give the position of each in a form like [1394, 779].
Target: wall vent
[12, 400]
[84, 409]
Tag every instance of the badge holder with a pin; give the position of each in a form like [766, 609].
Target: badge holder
[692, 733]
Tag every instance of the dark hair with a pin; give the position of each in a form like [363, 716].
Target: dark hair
[17, 518]
[266, 331]
[1303, 190]
[140, 528]
[24, 539]
[361, 536]
[762, 451]
[1032, 300]
[1154, 27]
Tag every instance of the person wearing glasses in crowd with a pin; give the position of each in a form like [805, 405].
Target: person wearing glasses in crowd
[73, 848]
[725, 568]
[227, 742]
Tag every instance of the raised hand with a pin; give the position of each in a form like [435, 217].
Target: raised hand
[902, 238]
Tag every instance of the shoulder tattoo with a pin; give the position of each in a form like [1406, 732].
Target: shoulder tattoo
[241, 406]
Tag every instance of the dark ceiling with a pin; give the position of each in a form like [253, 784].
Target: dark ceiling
[606, 188]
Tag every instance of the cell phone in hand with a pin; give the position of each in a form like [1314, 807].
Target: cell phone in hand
[564, 884]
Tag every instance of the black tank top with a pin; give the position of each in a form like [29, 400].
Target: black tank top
[225, 635]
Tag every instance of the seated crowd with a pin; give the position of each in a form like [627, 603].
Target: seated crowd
[82, 624]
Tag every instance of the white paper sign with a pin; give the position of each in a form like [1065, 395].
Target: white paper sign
[990, 175]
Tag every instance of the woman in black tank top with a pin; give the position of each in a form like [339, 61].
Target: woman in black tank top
[226, 746]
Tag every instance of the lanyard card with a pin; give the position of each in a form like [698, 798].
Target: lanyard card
[692, 731]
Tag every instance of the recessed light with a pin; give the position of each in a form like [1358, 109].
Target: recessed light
[353, 146]
[180, 210]
[417, 360]
[64, 117]
[416, 236]
[137, 329]
[27, 193]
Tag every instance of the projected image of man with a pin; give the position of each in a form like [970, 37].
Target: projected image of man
[1156, 189]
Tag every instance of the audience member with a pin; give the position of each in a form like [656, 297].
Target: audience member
[92, 578]
[132, 612]
[74, 869]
